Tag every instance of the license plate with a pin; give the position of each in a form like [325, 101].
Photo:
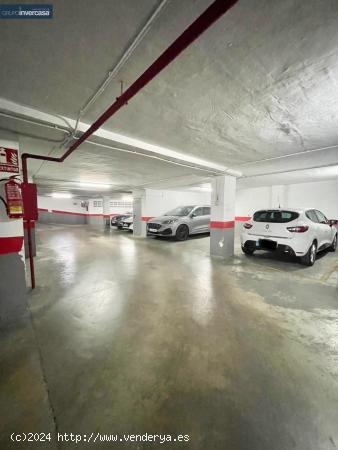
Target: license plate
[153, 230]
[266, 244]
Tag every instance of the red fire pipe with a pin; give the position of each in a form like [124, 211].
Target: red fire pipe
[201, 24]
[30, 253]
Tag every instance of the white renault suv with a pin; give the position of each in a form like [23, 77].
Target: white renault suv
[301, 232]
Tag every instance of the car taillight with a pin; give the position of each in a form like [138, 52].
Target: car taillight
[247, 226]
[299, 229]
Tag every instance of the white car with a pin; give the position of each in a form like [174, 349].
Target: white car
[301, 232]
[127, 223]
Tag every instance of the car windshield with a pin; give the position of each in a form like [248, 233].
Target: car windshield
[275, 216]
[180, 211]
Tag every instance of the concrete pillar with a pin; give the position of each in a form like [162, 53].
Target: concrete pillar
[222, 222]
[139, 219]
[12, 266]
[106, 211]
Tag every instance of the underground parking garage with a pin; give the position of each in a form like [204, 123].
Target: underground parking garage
[168, 224]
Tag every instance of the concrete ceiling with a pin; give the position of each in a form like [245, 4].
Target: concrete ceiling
[259, 85]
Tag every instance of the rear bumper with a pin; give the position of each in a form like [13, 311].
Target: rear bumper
[281, 248]
[292, 246]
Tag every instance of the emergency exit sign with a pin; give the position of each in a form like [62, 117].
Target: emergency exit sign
[9, 160]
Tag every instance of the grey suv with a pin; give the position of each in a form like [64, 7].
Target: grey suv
[181, 222]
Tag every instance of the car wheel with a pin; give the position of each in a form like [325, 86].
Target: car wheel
[333, 246]
[248, 251]
[182, 233]
[310, 258]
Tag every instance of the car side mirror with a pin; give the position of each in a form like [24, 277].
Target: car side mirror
[192, 215]
[333, 222]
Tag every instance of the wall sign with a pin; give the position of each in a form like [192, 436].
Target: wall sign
[9, 160]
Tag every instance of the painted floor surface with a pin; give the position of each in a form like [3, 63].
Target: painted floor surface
[133, 336]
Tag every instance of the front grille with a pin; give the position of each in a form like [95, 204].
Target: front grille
[156, 226]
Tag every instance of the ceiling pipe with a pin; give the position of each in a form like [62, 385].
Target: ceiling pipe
[288, 155]
[67, 131]
[277, 172]
[159, 158]
[217, 9]
[36, 122]
[201, 24]
[122, 61]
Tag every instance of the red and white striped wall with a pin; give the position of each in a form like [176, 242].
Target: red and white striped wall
[11, 230]
[11, 236]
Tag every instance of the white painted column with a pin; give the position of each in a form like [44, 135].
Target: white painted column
[12, 263]
[106, 211]
[222, 222]
[139, 214]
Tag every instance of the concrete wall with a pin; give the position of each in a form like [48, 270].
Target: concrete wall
[150, 203]
[322, 195]
[62, 218]
[61, 210]
[250, 200]
[120, 204]
[70, 211]
[95, 212]
[158, 202]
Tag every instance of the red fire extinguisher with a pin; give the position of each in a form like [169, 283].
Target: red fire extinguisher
[14, 199]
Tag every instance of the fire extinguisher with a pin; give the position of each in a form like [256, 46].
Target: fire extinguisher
[14, 203]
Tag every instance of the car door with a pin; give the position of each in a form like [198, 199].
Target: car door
[325, 229]
[314, 231]
[197, 220]
[206, 216]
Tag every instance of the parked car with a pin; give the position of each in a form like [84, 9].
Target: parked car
[127, 223]
[300, 232]
[116, 220]
[181, 222]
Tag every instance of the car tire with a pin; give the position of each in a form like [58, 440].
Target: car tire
[310, 257]
[182, 233]
[248, 251]
[333, 246]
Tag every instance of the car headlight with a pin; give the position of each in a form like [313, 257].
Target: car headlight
[167, 222]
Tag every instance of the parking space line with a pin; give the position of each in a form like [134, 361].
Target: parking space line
[327, 275]
[321, 280]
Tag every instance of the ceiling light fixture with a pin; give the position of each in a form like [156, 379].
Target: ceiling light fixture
[61, 195]
[205, 187]
[95, 185]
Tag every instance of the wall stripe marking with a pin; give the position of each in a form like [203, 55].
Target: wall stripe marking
[229, 224]
[10, 244]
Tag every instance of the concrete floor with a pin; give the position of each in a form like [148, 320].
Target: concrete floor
[126, 335]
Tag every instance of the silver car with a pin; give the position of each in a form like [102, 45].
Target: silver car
[181, 222]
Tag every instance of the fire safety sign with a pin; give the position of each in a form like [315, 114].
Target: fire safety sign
[9, 160]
